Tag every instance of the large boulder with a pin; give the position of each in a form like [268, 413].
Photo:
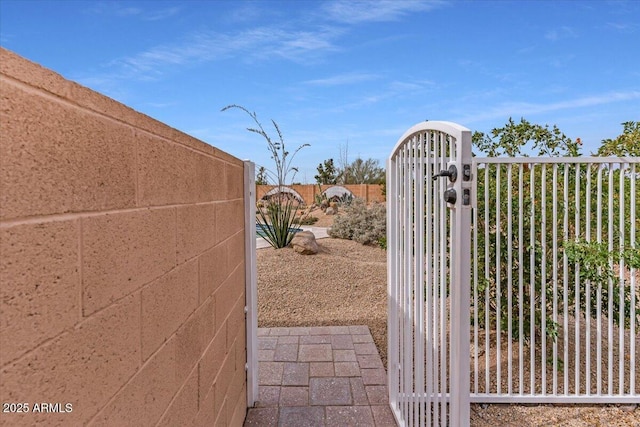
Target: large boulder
[304, 242]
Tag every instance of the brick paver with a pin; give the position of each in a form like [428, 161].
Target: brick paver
[315, 353]
[295, 373]
[330, 391]
[320, 376]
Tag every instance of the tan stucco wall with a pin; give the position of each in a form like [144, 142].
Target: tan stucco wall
[121, 262]
[369, 192]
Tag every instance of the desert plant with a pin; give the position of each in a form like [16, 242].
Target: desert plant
[345, 199]
[365, 225]
[280, 211]
[276, 223]
[321, 198]
[306, 220]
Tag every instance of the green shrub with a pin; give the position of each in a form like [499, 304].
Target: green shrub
[359, 223]
[382, 242]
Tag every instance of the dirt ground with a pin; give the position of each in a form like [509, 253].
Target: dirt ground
[345, 284]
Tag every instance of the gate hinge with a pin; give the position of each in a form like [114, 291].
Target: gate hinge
[246, 309]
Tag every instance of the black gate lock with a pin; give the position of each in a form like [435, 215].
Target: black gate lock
[450, 196]
[452, 173]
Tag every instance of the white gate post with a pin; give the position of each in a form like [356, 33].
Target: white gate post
[251, 288]
[392, 283]
[461, 279]
[429, 258]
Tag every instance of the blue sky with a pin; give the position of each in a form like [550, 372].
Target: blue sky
[343, 73]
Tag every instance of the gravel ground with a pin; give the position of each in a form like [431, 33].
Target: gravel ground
[345, 284]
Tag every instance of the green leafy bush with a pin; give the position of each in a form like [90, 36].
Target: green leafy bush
[591, 265]
[596, 266]
[357, 222]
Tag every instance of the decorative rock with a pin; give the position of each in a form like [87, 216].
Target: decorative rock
[304, 242]
[330, 211]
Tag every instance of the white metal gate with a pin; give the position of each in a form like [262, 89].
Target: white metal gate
[429, 274]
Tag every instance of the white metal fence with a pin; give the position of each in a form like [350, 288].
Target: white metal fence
[555, 280]
[554, 251]
[429, 276]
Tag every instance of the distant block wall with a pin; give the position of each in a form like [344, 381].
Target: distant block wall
[370, 193]
[122, 262]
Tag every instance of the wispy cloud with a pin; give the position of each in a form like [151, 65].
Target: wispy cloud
[561, 33]
[354, 12]
[518, 109]
[161, 14]
[623, 27]
[387, 92]
[343, 79]
[118, 10]
[247, 12]
[398, 87]
[562, 60]
[262, 43]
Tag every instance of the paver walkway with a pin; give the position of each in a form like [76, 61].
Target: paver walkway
[320, 376]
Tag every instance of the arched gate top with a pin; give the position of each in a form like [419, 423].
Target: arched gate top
[450, 128]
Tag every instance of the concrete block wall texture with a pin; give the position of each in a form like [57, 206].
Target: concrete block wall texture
[121, 263]
[371, 193]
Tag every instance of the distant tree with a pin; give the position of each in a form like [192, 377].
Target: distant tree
[343, 157]
[261, 177]
[327, 173]
[362, 172]
[514, 139]
[627, 144]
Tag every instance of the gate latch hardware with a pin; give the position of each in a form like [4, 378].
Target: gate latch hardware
[452, 173]
[466, 197]
[450, 196]
[466, 172]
